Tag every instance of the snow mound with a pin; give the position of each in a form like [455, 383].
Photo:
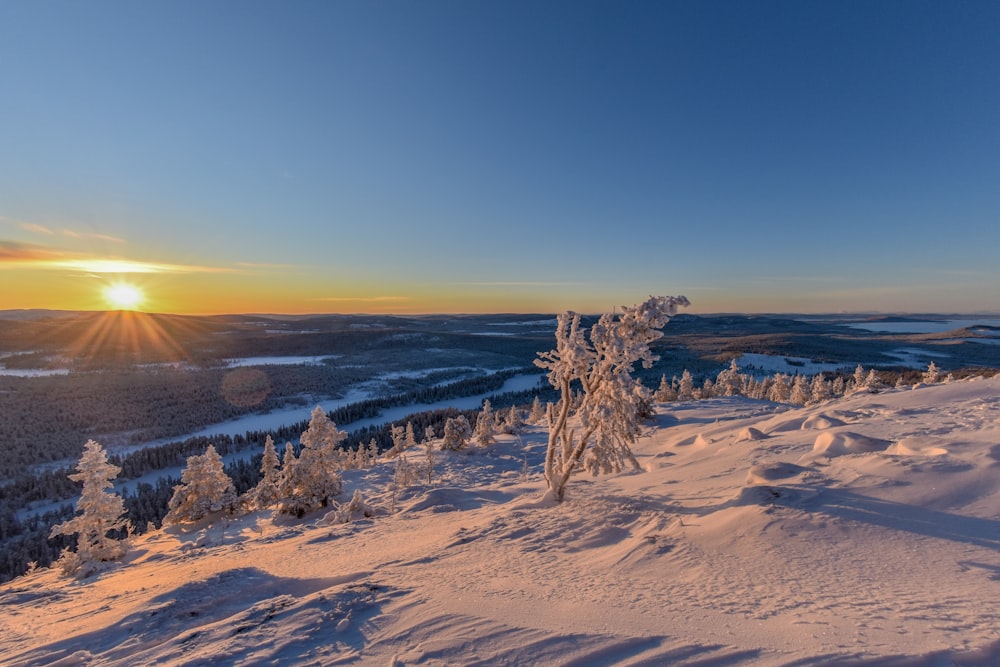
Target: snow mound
[766, 473]
[451, 499]
[793, 424]
[750, 434]
[917, 446]
[842, 443]
[698, 441]
[821, 422]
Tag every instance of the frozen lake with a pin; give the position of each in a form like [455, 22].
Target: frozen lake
[278, 418]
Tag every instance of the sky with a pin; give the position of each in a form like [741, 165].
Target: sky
[488, 156]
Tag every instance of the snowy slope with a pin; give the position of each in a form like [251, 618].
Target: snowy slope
[862, 531]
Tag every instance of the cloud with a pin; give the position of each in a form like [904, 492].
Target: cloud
[14, 252]
[131, 266]
[35, 228]
[32, 256]
[90, 235]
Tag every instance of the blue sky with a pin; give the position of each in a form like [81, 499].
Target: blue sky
[517, 156]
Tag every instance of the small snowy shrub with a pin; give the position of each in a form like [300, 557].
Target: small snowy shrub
[350, 511]
[456, 433]
[932, 375]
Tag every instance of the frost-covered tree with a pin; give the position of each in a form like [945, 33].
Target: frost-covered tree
[729, 381]
[513, 422]
[398, 435]
[205, 489]
[597, 434]
[101, 515]
[286, 481]
[268, 489]
[707, 389]
[872, 381]
[820, 389]
[315, 478]
[800, 394]
[429, 455]
[485, 426]
[754, 388]
[456, 433]
[780, 390]
[932, 375]
[537, 414]
[857, 381]
[665, 392]
[685, 387]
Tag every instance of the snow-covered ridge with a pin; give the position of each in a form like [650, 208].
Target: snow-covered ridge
[860, 530]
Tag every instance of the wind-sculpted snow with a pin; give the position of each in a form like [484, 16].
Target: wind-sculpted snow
[864, 531]
[846, 442]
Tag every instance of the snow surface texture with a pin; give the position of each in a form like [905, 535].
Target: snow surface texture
[860, 531]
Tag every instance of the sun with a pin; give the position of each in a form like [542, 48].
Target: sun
[122, 296]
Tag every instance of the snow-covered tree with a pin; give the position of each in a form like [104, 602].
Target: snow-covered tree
[485, 426]
[800, 394]
[605, 420]
[456, 433]
[268, 489]
[932, 375]
[820, 389]
[537, 414]
[315, 479]
[752, 388]
[707, 389]
[286, 480]
[780, 390]
[99, 513]
[429, 454]
[205, 489]
[872, 381]
[729, 381]
[398, 435]
[857, 381]
[685, 388]
[665, 392]
[513, 422]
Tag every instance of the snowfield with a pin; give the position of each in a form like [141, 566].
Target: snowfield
[859, 531]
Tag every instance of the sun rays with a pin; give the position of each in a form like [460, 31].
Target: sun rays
[128, 337]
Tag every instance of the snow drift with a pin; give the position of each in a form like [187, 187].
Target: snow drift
[865, 531]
